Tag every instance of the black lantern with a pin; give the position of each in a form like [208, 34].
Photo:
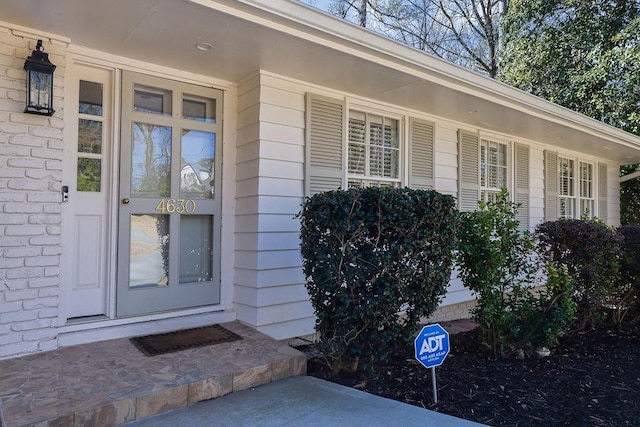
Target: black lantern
[39, 82]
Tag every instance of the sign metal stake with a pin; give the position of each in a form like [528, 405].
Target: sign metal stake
[435, 387]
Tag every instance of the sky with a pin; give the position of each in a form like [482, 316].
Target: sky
[320, 4]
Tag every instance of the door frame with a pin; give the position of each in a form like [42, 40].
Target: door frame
[89, 330]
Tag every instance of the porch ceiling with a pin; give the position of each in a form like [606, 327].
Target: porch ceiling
[288, 38]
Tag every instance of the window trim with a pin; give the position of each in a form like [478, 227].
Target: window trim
[576, 198]
[367, 179]
[485, 190]
[592, 198]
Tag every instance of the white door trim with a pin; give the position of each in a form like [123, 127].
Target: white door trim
[78, 56]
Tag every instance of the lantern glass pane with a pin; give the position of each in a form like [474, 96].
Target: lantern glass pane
[40, 87]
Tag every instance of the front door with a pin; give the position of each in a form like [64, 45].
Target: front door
[169, 198]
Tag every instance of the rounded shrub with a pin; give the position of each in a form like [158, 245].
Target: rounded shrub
[376, 260]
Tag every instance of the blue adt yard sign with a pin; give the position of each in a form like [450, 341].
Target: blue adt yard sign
[432, 345]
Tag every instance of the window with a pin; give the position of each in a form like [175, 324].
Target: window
[576, 193]
[357, 147]
[587, 198]
[566, 193]
[486, 166]
[373, 156]
[493, 169]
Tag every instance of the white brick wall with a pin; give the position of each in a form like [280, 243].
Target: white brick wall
[452, 312]
[31, 149]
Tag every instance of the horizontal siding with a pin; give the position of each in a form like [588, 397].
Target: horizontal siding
[269, 296]
[248, 134]
[248, 116]
[268, 241]
[282, 187]
[613, 194]
[536, 181]
[281, 169]
[269, 285]
[281, 151]
[247, 169]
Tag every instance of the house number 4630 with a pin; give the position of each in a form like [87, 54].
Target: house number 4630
[176, 206]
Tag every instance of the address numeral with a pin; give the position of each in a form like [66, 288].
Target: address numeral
[176, 206]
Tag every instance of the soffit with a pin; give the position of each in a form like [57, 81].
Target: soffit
[290, 39]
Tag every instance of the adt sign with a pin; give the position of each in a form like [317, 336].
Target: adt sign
[432, 345]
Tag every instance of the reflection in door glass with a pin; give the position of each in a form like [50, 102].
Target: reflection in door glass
[90, 98]
[150, 160]
[196, 173]
[199, 108]
[196, 249]
[149, 249]
[89, 136]
[89, 174]
[148, 99]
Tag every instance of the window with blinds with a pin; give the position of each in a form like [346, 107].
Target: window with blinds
[572, 188]
[373, 154]
[566, 190]
[493, 169]
[587, 196]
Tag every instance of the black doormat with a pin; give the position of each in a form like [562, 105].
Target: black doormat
[170, 342]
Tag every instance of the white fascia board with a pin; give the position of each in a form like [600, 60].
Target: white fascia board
[630, 176]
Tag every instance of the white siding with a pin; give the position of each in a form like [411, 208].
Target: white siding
[536, 180]
[31, 150]
[613, 193]
[269, 285]
[446, 172]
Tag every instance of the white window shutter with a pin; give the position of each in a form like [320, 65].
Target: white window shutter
[550, 185]
[421, 162]
[603, 204]
[468, 170]
[324, 164]
[521, 193]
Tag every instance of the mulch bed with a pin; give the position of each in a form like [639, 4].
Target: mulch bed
[590, 379]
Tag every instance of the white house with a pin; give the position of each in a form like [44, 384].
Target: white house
[161, 193]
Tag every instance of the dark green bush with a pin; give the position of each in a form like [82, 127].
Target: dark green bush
[496, 263]
[590, 251]
[376, 261]
[628, 289]
[630, 255]
[546, 314]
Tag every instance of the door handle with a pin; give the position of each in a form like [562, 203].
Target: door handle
[125, 201]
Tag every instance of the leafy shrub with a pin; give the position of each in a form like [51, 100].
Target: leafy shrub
[376, 261]
[497, 264]
[546, 315]
[626, 293]
[590, 251]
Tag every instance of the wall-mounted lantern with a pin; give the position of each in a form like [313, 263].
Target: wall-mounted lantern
[39, 82]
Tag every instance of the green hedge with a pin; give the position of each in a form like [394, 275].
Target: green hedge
[591, 251]
[376, 261]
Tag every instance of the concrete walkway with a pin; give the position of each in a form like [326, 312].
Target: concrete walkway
[301, 401]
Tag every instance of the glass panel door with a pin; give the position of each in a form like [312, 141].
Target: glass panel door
[169, 230]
